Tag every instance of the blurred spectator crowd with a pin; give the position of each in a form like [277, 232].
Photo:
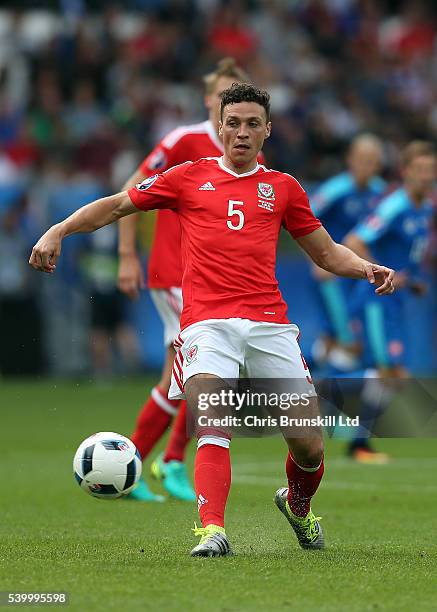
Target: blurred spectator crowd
[87, 88]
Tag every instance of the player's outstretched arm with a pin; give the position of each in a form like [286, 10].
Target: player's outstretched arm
[130, 270]
[87, 219]
[355, 244]
[340, 260]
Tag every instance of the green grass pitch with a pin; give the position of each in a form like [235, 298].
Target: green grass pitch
[379, 521]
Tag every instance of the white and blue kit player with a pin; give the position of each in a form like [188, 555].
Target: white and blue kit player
[340, 203]
[397, 232]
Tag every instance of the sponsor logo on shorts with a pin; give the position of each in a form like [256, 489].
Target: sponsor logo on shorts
[147, 183]
[191, 354]
[266, 191]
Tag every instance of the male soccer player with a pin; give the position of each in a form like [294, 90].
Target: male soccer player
[397, 233]
[340, 203]
[233, 313]
[187, 143]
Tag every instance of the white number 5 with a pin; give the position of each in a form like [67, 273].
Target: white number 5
[232, 212]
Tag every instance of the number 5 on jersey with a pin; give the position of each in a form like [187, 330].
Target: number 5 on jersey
[232, 212]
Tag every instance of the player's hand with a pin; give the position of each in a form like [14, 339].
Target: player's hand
[381, 277]
[46, 251]
[130, 276]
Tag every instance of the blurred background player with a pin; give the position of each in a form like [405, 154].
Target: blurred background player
[340, 203]
[113, 341]
[187, 143]
[397, 233]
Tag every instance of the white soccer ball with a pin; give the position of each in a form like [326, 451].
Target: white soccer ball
[107, 465]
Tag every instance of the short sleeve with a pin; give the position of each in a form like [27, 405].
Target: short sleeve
[298, 218]
[167, 153]
[372, 228]
[157, 161]
[330, 193]
[376, 225]
[159, 190]
[321, 201]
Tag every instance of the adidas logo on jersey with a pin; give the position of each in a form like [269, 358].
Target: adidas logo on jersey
[207, 187]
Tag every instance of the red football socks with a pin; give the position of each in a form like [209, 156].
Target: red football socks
[303, 482]
[212, 480]
[153, 420]
[178, 440]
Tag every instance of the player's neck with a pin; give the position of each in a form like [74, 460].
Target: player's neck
[416, 198]
[361, 185]
[227, 162]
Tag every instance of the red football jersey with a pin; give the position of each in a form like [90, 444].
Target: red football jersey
[187, 143]
[230, 225]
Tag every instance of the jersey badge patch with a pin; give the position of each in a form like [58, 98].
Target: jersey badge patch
[266, 191]
[191, 354]
[147, 183]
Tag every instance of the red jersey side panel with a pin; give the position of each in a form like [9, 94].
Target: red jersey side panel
[187, 143]
[230, 225]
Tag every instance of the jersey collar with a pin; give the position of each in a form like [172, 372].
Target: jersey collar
[229, 171]
[213, 135]
[425, 204]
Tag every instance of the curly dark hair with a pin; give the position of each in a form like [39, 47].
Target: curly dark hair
[245, 92]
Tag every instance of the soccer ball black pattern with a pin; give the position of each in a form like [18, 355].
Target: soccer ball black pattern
[107, 465]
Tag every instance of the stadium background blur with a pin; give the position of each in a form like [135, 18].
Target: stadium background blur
[88, 88]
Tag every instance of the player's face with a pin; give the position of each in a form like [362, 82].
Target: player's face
[244, 128]
[365, 162]
[420, 174]
[213, 100]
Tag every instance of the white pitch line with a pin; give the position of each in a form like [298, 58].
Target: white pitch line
[267, 466]
[335, 484]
